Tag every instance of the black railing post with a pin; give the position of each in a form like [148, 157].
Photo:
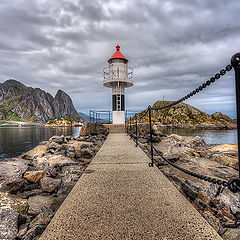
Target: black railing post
[130, 126]
[235, 61]
[90, 115]
[127, 126]
[109, 117]
[136, 131]
[150, 126]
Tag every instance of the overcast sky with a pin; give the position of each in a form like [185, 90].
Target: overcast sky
[173, 46]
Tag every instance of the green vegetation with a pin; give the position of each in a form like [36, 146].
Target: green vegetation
[8, 115]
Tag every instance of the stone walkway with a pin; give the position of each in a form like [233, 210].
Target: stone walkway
[120, 197]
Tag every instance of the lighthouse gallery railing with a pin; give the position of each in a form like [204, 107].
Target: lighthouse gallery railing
[233, 183]
[107, 79]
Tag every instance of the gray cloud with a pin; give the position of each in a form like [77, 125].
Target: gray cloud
[173, 47]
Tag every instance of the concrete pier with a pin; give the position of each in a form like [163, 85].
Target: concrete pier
[120, 197]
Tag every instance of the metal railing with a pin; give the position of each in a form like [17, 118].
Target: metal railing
[100, 116]
[233, 183]
[107, 79]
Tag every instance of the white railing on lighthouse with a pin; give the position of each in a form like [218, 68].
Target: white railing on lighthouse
[107, 80]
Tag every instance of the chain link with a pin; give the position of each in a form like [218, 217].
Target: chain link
[234, 183]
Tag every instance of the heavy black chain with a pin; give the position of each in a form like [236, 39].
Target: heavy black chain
[233, 183]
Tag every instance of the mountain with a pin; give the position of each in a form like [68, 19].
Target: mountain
[184, 115]
[19, 102]
[84, 116]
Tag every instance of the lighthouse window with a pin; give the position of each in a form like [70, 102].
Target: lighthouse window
[122, 103]
[114, 102]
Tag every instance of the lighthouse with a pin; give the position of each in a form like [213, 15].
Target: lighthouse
[118, 76]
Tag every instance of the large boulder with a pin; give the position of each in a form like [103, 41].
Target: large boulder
[36, 204]
[49, 184]
[8, 201]
[32, 233]
[49, 160]
[8, 224]
[11, 173]
[225, 154]
[34, 176]
[53, 146]
[37, 151]
[89, 128]
[43, 218]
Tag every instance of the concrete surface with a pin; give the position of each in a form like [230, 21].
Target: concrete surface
[115, 128]
[123, 198]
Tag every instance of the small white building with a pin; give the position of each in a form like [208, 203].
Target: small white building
[118, 76]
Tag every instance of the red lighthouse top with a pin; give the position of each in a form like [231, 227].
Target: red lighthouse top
[117, 54]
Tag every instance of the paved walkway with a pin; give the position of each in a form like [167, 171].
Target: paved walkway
[123, 198]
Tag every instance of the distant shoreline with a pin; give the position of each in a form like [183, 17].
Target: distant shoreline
[4, 123]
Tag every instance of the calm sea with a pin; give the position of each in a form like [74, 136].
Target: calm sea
[16, 140]
[209, 136]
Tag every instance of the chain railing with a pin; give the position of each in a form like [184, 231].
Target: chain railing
[233, 183]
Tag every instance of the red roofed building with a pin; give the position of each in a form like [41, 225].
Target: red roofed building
[118, 76]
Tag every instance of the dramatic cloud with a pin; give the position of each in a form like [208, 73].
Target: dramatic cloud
[173, 46]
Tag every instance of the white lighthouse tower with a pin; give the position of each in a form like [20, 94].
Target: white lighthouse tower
[118, 76]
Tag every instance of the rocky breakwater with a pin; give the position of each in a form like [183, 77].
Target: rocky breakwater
[33, 186]
[218, 205]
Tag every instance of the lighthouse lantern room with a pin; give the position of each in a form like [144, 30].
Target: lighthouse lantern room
[118, 76]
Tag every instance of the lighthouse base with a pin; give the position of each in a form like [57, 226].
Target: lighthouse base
[118, 117]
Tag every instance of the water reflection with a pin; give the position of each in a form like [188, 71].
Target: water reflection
[16, 140]
[209, 136]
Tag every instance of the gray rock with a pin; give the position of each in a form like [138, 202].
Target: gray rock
[36, 203]
[27, 157]
[43, 218]
[68, 138]
[65, 162]
[235, 211]
[11, 173]
[66, 188]
[54, 146]
[30, 193]
[71, 154]
[86, 154]
[190, 189]
[33, 232]
[22, 230]
[22, 219]
[12, 202]
[49, 184]
[59, 140]
[89, 129]
[231, 234]
[72, 170]
[70, 148]
[8, 224]
[172, 157]
[58, 201]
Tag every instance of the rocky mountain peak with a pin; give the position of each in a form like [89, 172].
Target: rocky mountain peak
[63, 104]
[19, 102]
